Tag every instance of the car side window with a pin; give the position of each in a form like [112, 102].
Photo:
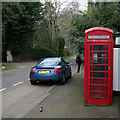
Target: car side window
[63, 62]
[59, 63]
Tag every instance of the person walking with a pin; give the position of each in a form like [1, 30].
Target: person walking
[79, 62]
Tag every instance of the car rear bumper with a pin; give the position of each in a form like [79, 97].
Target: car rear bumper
[46, 77]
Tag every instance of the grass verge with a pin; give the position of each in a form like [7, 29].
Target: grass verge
[6, 67]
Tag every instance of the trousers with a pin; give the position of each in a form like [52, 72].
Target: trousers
[78, 70]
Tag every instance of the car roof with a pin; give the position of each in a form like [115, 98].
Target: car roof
[58, 58]
[52, 58]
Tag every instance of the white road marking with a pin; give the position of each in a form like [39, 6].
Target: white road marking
[18, 83]
[2, 89]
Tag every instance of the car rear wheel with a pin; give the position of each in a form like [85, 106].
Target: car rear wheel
[33, 82]
[63, 80]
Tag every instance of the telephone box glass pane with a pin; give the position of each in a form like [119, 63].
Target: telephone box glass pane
[98, 88]
[106, 75]
[98, 81]
[90, 47]
[98, 75]
[98, 47]
[98, 68]
[90, 54]
[107, 47]
[99, 54]
[98, 94]
[98, 61]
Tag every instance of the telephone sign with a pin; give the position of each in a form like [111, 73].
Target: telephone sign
[98, 37]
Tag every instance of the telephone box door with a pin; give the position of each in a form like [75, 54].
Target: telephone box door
[99, 75]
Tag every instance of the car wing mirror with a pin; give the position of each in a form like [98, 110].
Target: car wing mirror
[67, 62]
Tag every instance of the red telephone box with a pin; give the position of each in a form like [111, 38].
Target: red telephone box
[98, 66]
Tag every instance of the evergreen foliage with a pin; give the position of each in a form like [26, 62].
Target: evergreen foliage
[42, 52]
[26, 26]
[18, 20]
[99, 14]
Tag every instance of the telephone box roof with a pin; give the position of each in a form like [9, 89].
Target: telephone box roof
[98, 28]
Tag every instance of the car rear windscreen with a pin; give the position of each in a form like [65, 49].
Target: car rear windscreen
[48, 62]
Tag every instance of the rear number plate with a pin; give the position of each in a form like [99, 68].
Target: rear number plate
[44, 71]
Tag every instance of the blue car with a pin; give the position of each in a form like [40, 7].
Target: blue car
[50, 69]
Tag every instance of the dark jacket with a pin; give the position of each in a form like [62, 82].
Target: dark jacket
[78, 60]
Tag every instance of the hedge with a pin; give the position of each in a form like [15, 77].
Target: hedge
[38, 53]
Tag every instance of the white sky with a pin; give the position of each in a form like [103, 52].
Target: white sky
[82, 3]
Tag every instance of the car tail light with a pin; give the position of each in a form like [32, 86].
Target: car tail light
[57, 70]
[32, 70]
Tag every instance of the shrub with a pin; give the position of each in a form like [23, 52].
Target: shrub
[40, 52]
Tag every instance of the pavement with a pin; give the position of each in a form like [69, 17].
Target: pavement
[67, 101]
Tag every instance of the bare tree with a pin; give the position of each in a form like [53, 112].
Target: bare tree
[52, 13]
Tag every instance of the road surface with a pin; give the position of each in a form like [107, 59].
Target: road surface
[18, 95]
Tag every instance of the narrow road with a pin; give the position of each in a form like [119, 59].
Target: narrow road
[17, 92]
[18, 95]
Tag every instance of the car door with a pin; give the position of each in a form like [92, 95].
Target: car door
[65, 67]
